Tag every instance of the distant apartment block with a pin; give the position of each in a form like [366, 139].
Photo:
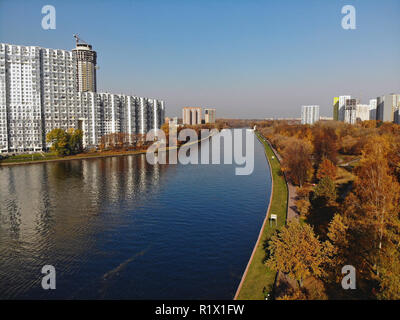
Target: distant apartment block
[350, 111]
[191, 115]
[387, 107]
[336, 108]
[309, 114]
[40, 90]
[362, 112]
[373, 103]
[342, 107]
[209, 115]
[357, 112]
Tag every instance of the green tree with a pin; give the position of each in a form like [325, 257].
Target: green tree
[65, 143]
[59, 140]
[75, 140]
[325, 191]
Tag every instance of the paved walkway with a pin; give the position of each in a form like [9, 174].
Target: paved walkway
[292, 212]
[283, 282]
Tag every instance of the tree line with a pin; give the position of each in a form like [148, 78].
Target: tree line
[348, 197]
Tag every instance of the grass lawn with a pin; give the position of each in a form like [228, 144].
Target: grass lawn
[48, 156]
[259, 276]
[29, 157]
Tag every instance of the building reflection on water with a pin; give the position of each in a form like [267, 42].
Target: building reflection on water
[50, 212]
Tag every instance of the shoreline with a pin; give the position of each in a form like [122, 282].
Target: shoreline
[75, 157]
[84, 156]
[256, 277]
[261, 230]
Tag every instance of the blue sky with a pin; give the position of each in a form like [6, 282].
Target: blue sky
[248, 59]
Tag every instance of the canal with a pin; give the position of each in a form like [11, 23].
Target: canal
[120, 228]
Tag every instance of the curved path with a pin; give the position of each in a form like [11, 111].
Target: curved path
[283, 282]
[292, 212]
[281, 279]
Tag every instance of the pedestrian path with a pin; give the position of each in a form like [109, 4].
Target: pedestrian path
[283, 282]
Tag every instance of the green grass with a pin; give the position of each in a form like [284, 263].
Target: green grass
[259, 276]
[49, 156]
[29, 157]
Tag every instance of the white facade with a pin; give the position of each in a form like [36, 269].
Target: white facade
[38, 93]
[20, 98]
[309, 114]
[191, 115]
[209, 115]
[342, 107]
[362, 112]
[387, 107]
[358, 112]
[373, 104]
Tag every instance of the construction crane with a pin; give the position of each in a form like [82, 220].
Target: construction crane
[77, 39]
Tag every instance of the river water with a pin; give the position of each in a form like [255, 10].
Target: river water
[120, 228]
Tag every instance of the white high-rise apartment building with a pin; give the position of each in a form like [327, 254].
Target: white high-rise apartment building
[350, 111]
[358, 112]
[209, 115]
[39, 92]
[20, 98]
[387, 107]
[373, 105]
[191, 115]
[363, 112]
[309, 114]
[342, 107]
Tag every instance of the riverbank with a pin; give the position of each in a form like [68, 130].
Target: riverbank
[257, 278]
[49, 157]
[81, 156]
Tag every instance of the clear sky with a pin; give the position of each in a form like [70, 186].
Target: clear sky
[248, 59]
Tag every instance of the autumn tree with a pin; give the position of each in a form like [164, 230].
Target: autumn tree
[303, 192]
[303, 206]
[327, 169]
[297, 161]
[373, 215]
[325, 142]
[337, 235]
[294, 294]
[296, 251]
[351, 145]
